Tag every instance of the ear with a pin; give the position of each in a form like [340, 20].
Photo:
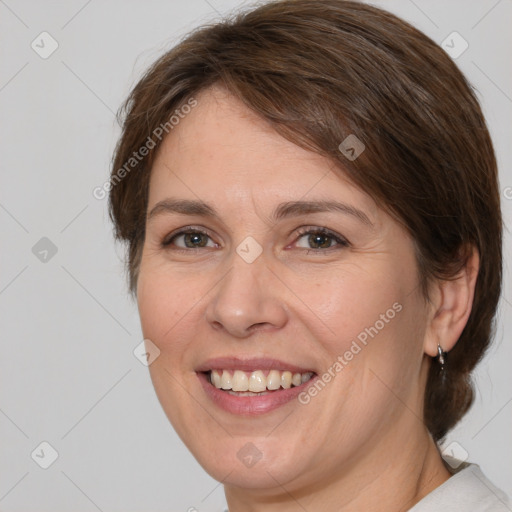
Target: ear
[451, 302]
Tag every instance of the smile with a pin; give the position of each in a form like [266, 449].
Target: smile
[258, 381]
[254, 387]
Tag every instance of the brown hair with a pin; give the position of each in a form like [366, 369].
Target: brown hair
[319, 70]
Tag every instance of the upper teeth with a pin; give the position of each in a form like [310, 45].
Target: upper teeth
[257, 381]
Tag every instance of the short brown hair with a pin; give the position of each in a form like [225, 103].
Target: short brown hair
[318, 71]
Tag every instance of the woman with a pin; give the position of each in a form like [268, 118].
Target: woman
[315, 248]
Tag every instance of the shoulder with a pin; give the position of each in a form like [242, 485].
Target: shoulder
[467, 490]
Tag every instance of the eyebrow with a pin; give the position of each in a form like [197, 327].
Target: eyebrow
[284, 210]
[182, 206]
[296, 208]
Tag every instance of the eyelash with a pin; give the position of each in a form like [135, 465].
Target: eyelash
[306, 230]
[188, 230]
[312, 230]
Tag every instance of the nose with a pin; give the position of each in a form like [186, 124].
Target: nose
[247, 300]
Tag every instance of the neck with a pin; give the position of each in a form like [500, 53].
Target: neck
[406, 473]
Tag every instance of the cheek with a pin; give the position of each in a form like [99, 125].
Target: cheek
[345, 306]
[166, 308]
[165, 304]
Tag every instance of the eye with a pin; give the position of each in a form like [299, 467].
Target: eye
[189, 239]
[319, 238]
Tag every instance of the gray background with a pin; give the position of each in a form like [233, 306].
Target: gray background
[68, 373]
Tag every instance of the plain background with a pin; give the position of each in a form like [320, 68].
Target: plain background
[68, 373]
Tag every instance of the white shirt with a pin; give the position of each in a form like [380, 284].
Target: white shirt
[466, 491]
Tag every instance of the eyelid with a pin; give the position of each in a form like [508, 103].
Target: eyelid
[305, 230]
[167, 240]
[299, 232]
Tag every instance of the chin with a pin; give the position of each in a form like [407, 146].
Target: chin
[249, 474]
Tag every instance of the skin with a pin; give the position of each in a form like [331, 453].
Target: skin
[360, 444]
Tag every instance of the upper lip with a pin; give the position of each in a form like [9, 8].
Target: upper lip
[250, 365]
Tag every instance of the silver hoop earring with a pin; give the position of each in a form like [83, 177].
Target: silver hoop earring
[441, 355]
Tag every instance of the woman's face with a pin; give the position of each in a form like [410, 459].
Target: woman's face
[262, 262]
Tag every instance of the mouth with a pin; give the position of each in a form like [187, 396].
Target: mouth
[256, 383]
[253, 387]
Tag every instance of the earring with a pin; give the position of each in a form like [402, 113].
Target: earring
[441, 359]
[441, 356]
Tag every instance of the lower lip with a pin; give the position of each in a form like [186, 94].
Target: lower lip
[251, 405]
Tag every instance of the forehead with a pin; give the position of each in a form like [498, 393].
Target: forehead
[222, 152]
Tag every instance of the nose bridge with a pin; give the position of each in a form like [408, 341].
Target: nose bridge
[245, 297]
